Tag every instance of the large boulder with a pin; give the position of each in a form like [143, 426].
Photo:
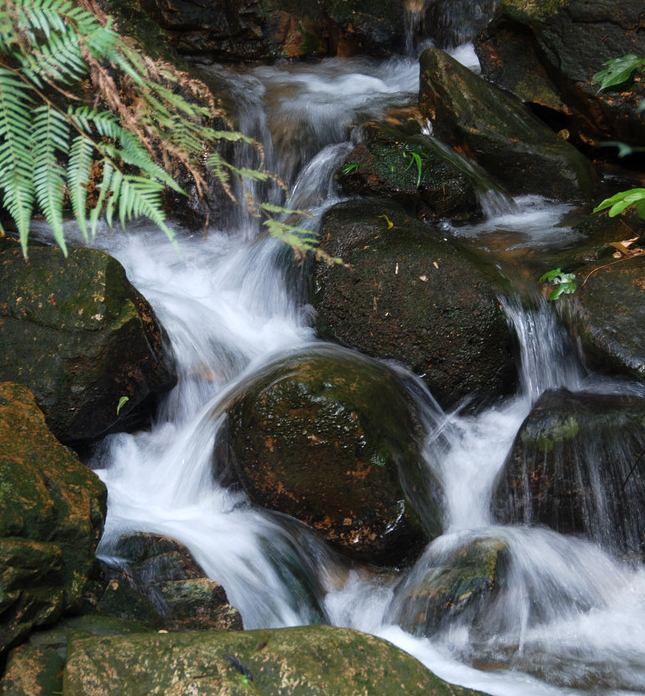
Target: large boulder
[546, 54]
[414, 296]
[576, 466]
[607, 314]
[415, 171]
[252, 30]
[302, 661]
[333, 439]
[52, 510]
[81, 338]
[492, 128]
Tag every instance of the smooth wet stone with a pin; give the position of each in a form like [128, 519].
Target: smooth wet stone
[333, 439]
[483, 123]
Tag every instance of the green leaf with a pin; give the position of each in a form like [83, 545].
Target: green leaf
[618, 71]
[623, 200]
[122, 402]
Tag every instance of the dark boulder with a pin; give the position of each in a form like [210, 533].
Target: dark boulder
[412, 170]
[155, 581]
[52, 509]
[414, 296]
[576, 466]
[333, 439]
[252, 30]
[78, 334]
[500, 134]
[607, 314]
[546, 54]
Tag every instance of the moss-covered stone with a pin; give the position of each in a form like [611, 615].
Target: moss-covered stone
[411, 170]
[576, 467]
[333, 439]
[452, 587]
[51, 516]
[77, 333]
[303, 661]
[414, 296]
[487, 125]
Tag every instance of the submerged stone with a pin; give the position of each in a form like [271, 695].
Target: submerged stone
[576, 466]
[333, 439]
[78, 334]
[451, 586]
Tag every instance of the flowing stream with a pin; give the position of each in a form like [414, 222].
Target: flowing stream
[571, 618]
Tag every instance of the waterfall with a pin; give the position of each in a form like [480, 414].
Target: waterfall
[567, 616]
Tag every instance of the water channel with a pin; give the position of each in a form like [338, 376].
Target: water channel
[571, 619]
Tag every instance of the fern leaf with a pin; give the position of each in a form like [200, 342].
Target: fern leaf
[50, 136]
[140, 197]
[95, 213]
[79, 167]
[16, 161]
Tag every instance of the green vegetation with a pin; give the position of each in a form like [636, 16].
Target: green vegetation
[88, 123]
[618, 71]
[564, 283]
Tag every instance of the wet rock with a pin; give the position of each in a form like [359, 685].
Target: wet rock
[252, 30]
[159, 584]
[308, 660]
[412, 170]
[485, 124]
[451, 23]
[333, 439]
[608, 315]
[451, 586]
[414, 296]
[51, 517]
[546, 54]
[576, 466]
[78, 334]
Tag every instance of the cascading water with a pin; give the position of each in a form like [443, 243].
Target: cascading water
[568, 618]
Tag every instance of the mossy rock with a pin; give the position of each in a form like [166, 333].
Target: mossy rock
[333, 439]
[512, 145]
[575, 466]
[451, 587]
[52, 509]
[411, 170]
[415, 296]
[80, 337]
[303, 661]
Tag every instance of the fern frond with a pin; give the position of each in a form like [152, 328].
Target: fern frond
[50, 137]
[104, 188]
[79, 168]
[16, 160]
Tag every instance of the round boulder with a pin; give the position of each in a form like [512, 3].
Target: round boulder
[333, 439]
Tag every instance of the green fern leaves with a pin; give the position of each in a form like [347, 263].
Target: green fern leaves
[89, 124]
